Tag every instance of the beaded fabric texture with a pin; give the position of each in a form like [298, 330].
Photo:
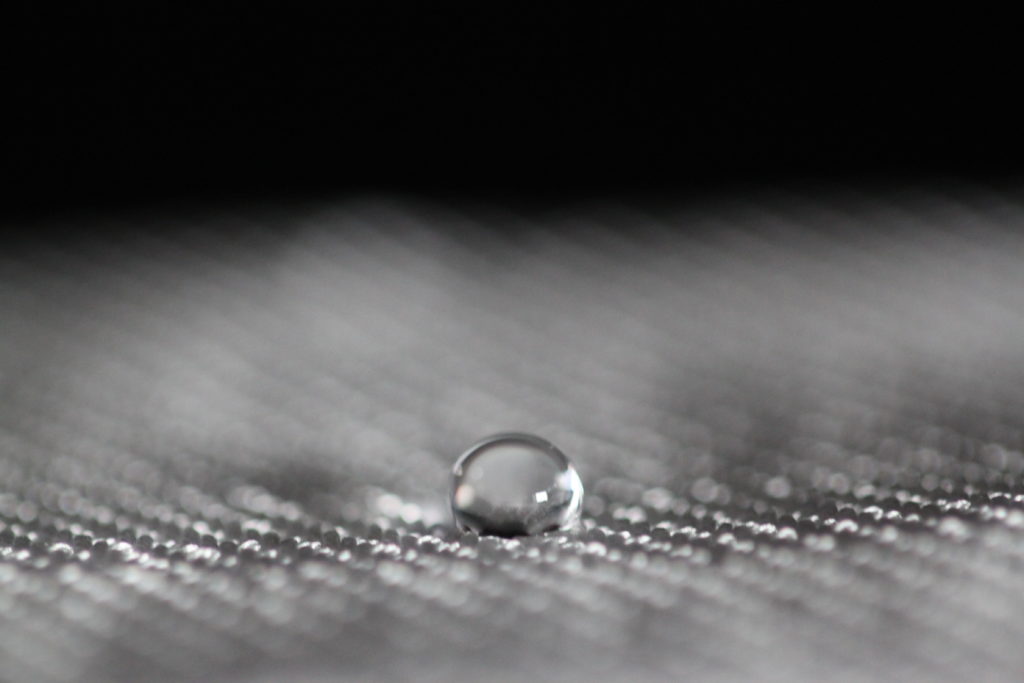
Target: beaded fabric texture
[225, 447]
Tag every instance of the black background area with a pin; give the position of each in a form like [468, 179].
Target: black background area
[114, 103]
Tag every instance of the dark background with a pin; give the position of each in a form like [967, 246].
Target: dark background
[116, 104]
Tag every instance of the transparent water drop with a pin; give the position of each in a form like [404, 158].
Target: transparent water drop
[513, 485]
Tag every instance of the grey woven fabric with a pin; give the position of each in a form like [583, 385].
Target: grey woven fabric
[225, 446]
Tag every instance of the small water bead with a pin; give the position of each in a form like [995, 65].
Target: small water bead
[513, 485]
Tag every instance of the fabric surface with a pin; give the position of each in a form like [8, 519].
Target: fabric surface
[226, 436]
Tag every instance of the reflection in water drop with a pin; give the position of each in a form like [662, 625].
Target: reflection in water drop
[515, 484]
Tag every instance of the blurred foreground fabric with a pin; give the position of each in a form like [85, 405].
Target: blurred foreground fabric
[225, 439]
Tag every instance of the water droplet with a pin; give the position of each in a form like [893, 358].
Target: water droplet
[515, 484]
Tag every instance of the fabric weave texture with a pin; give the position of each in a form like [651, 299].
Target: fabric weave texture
[226, 437]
